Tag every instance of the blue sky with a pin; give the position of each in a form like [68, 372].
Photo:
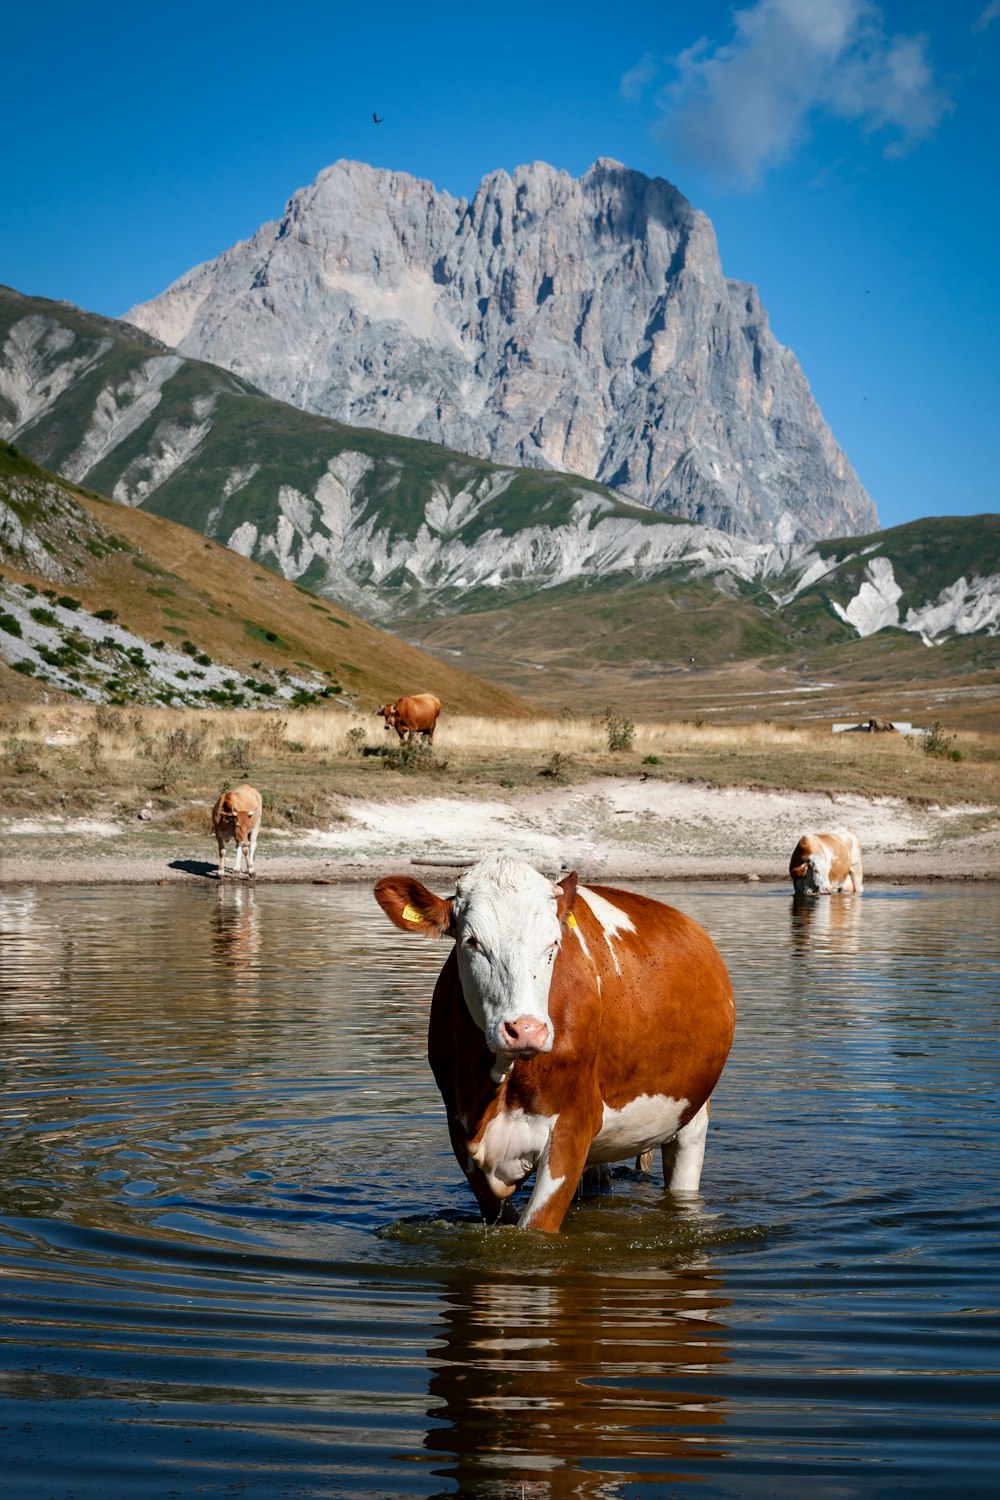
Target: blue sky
[845, 151]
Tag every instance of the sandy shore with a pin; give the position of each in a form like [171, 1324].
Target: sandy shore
[609, 829]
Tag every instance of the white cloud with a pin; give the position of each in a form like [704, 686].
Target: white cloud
[742, 107]
[635, 81]
[987, 16]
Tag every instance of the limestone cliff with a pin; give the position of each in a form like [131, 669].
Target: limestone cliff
[577, 325]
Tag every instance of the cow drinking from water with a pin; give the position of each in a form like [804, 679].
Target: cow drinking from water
[826, 862]
[570, 1026]
[236, 817]
[412, 716]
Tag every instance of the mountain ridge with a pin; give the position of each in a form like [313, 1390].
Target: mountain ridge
[396, 528]
[581, 325]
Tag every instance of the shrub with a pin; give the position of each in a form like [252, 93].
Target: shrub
[43, 616]
[557, 766]
[106, 614]
[66, 601]
[186, 744]
[109, 719]
[355, 739]
[937, 742]
[8, 623]
[236, 755]
[408, 756]
[619, 729]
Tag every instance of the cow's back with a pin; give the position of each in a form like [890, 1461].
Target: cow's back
[417, 712]
[666, 1007]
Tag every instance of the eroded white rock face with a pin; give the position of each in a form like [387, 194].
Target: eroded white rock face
[172, 445]
[119, 411]
[876, 605]
[580, 325]
[36, 368]
[964, 607]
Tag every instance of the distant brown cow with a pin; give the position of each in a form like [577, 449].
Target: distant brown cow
[412, 716]
[236, 816]
[825, 862]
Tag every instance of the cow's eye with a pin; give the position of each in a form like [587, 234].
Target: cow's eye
[471, 941]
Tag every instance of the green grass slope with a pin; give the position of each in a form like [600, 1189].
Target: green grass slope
[81, 576]
[91, 365]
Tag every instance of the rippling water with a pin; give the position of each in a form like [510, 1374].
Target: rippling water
[238, 1258]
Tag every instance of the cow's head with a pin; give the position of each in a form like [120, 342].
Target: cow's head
[810, 868]
[239, 819]
[388, 713]
[507, 922]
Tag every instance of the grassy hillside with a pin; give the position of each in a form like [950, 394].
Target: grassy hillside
[196, 444]
[927, 556]
[678, 647]
[227, 619]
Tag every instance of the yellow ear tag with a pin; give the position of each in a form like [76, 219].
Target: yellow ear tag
[571, 920]
[410, 914]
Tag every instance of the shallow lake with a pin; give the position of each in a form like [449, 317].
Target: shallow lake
[237, 1256]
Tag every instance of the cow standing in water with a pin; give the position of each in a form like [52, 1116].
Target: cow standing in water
[826, 862]
[412, 716]
[570, 1026]
[236, 816]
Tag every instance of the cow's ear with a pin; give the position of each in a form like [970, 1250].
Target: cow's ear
[412, 907]
[797, 871]
[566, 895]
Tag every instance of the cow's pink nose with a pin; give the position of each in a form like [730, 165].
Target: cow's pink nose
[524, 1035]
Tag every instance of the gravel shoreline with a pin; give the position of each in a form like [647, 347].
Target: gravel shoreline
[610, 830]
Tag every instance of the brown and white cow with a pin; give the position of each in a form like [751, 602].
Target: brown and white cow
[570, 1026]
[412, 716]
[236, 816]
[825, 862]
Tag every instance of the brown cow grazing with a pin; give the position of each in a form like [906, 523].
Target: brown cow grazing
[236, 816]
[412, 716]
[606, 1016]
[825, 862]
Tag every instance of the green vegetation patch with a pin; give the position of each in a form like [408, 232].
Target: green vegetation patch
[266, 637]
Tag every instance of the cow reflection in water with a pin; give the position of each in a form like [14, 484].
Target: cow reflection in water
[572, 1387]
[236, 932]
[833, 924]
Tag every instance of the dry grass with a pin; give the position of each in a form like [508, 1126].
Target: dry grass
[88, 759]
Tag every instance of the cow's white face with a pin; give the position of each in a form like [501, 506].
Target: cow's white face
[507, 931]
[816, 880]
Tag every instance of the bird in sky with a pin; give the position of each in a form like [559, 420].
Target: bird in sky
[378, 119]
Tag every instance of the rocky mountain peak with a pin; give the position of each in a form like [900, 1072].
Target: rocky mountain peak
[583, 325]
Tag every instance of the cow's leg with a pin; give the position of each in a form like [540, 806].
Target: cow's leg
[238, 861]
[222, 855]
[252, 850]
[858, 875]
[644, 1162]
[684, 1155]
[493, 1209]
[557, 1177]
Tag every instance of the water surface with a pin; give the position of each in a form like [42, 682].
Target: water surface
[237, 1256]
